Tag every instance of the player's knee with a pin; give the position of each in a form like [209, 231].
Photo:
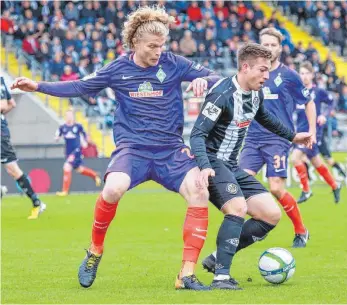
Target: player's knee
[274, 215]
[13, 170]
[113, 193]
[276, 190]
[67, 167]
[198, 197]
[236, 206]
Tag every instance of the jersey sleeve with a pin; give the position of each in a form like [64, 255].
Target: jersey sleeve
[89, 85]
[327, 99]
[5, 94]
[59, 131]
[190, 70]
[299, 92]
[82, 131]
[210, 113]
[272, 123]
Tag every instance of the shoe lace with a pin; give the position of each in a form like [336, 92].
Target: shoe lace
[92, 262]
[195, 280]
[298, 237]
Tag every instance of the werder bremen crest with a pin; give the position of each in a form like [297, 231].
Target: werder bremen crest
[161, 74]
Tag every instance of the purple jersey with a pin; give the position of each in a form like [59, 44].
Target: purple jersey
[72, 136]
[282, 92]
[319, 96]
[150, 103]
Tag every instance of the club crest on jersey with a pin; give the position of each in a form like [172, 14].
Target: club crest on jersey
[278, 80]
[305, 92]
[211, 111]
[161, 74]
[146, 90]
[232, 188]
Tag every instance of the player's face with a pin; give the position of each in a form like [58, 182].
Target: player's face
[258, 73]
[272, 43]
[69, 117]
[148, 49]
[306, 76]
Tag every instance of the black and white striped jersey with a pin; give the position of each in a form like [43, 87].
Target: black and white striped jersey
[223, 122]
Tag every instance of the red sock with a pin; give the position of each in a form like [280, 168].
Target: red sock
[194, 233]
[292, 210]
[66, 181]
[88, 172]
[103, 215]
[328, 177]
[302, 173]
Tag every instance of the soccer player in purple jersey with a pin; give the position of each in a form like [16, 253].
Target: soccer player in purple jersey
[319, 96]
[282, 91]
[74, 135]
[9, 157]
[147, 131]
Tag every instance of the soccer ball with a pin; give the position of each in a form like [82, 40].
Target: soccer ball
[276, 265]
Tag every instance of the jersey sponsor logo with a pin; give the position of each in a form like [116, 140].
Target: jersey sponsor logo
[211, 111]
[243, 124]
[233, 241]
[305, 92]
[256, 102]
[89, 76]
[232, 188]
[70, 135]
[268, 95]
[146, 90]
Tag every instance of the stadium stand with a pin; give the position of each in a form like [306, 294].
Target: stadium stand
[69, 40]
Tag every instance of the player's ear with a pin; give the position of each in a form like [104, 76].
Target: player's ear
[245, 67]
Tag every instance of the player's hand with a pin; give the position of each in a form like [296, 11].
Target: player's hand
[25, 84]
[202, 181]
[304, 138]
[198, 85]
[321, 120]
[12, 103]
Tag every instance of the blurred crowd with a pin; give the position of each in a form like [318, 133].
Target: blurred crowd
[71, 39]
[326, 19]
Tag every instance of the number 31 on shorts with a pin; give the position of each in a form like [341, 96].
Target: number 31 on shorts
[279, 161]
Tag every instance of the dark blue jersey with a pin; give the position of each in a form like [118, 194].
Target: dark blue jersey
[319, 96]
[282, 92]
[150, 103]
[5, 95]
[72, 136]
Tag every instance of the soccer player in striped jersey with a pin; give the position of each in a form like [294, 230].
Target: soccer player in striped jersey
[230, 107]
[319, 96]
[147, 131]
[9, 157]
[282, 92]
[74, 135]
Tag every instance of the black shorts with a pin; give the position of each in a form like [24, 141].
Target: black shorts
[230, 183]
[8, 154]
[323, 148]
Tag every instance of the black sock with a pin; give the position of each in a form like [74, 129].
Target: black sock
[308, 171]
[253, 230]
[24, 183]
[227, 241]
[339, 169]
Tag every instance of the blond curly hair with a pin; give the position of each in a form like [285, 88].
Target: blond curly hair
[152, 20]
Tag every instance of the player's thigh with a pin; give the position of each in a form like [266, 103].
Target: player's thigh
[74, 160]
[194, 195]
[276, 159]
[297, 156]
[172, 166]
[13, 169]
[223, 187]
[134, 163]
[263, 207]
[251, 158]
[317, 161]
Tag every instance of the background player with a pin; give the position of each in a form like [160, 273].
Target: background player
[282, 91]
[8, 154]
[319, 96]
[74, 136]
[230, 106]
[148, 127]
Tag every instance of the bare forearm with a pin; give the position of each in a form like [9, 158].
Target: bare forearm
[311, 115]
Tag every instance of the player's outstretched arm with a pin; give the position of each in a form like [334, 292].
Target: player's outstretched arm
[273, 124]
[311, 114]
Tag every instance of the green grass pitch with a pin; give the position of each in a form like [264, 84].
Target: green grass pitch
[40, 258]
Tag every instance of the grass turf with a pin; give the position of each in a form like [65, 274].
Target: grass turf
[40, 258]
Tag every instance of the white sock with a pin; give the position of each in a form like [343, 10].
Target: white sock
[221, 277]
[214, 254]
